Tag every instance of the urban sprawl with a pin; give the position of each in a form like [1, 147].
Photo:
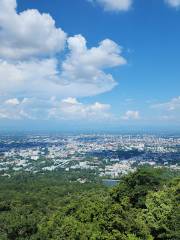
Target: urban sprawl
[107, 155]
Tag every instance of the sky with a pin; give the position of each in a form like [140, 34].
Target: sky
[89, 64]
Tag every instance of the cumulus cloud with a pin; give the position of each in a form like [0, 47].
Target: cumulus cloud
[125, 5]
[84, 67]
[71, 108]
[173, 3]
[68, 108]
[34, 78]
[32, 68]
[14, 109]
[12, 101]
[168, 111]
[172, 105]
[81, 74]
[131, 115]
[114, 5]
[23, 35]
[27, 34]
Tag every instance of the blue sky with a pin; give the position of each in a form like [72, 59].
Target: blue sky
[106, 64]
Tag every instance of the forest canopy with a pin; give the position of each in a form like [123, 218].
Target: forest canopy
[144, 205]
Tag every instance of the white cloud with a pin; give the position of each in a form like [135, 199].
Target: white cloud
[70, 101]
[12, 101]
[125, 5]
[131, 115]
[173, 3]
[84, 67]
[29, 78]
[168, 111]
[81, 74]
[69, 109]
[172, 105]
[114, 5]
[27, 34]
[32, 71]
[13, 109]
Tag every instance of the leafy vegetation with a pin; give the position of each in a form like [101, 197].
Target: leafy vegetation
[143, 206]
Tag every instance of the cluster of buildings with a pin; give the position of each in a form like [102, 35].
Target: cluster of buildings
[108, 155]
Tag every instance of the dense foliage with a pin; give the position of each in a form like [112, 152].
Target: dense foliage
[143, 206]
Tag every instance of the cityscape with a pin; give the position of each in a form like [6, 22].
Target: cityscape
[89, 120]
[107, 155]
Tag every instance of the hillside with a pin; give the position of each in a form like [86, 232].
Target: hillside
[144, 205]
